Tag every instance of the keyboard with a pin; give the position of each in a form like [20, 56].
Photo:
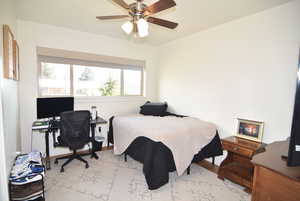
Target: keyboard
[37, 125]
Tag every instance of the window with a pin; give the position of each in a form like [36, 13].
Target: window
[132, 82]
[94, 81]
[55, 79]
[63, 77]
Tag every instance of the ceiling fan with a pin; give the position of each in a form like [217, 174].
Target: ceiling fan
[140, 14]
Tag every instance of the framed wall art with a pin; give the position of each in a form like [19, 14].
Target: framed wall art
[16, 60]
[8, 53]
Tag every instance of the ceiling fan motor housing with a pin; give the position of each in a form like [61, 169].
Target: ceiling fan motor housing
[137, 9]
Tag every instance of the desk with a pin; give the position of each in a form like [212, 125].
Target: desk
[273, 179]
[44, 128]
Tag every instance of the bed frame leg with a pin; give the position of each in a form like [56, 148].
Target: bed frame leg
[189, 170]
[125, 157]
[213, 160]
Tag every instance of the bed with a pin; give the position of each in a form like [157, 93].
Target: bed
[164, 142]
[157, 158]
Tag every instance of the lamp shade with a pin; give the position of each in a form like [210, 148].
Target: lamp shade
[143, 28]
[127, 27]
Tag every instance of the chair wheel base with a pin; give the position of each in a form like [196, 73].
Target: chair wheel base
[62, 169]
[87, 166]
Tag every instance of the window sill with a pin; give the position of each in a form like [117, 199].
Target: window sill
[109, 99]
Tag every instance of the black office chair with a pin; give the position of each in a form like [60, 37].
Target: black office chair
[74, 133]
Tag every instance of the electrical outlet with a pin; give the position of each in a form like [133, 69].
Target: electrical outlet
[297, 147]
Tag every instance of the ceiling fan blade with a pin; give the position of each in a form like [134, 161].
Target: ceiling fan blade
[112, 17]
[161, 22]
[159, 6]
[121, 3]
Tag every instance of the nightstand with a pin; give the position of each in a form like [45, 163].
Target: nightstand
[237, 166]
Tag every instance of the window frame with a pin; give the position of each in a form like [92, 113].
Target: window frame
[121, 67]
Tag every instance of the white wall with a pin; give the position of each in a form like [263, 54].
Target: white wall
[245, 68]
[9, 129]
[32, 35]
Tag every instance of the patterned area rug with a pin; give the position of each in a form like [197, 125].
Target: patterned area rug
[112, 179]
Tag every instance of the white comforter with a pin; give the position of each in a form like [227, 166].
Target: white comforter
[185, 137]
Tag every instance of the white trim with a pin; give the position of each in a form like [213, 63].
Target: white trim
[122, 83]
[66, 54]
[110, 99]
[60, 60]
[71, 80]
[3, 162]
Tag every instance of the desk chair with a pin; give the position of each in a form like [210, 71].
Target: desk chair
[74, 133]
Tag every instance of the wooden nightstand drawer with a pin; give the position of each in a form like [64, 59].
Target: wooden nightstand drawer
[237, 149]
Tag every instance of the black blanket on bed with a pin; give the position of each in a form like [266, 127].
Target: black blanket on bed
[157, 158]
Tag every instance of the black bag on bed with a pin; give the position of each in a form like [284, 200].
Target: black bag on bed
[154, 109]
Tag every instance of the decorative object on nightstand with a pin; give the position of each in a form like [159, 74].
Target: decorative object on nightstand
[237, 166]
[249, 129]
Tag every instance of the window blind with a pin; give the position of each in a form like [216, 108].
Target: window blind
[86, 59]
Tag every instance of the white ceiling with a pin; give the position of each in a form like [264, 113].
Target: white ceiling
[192, 15]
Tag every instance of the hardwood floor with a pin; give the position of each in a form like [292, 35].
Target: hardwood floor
[209, 166]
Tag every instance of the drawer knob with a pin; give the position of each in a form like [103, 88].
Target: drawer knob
[235, 148]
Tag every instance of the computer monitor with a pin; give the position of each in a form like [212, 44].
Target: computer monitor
[52, 107]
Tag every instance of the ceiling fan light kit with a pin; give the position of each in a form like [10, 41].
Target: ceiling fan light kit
[140, 16]
[127, 27]
[143, 27]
